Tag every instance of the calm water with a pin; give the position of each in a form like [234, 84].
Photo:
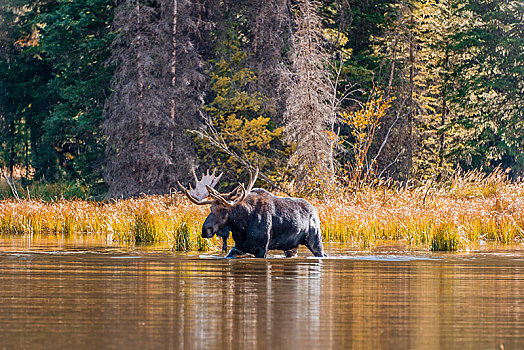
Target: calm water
[56, 294]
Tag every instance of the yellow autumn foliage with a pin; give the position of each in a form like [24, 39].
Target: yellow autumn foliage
[362, 125]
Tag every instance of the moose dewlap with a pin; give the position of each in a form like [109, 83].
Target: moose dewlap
[258, 220]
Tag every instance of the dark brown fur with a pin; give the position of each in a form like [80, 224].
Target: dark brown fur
[263, 222]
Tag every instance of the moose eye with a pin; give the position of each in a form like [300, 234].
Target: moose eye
[223, 212]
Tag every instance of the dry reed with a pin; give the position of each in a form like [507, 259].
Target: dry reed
[148, 219]
[468, 210]
[453, 217]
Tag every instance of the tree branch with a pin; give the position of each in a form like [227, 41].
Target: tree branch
[215, 139]
[11, 185]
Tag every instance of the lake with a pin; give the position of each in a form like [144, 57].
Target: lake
[89, 294]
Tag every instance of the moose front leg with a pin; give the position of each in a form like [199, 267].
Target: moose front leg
[291, 252]
[260, 252]
[314, 242]
[224, 234]
[235, 252]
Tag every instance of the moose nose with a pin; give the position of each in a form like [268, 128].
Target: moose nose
[207, 232]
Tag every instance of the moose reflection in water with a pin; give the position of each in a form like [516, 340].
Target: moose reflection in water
[258, 220]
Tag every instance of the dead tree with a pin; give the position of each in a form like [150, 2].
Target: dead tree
[309, 117]
[136, 116]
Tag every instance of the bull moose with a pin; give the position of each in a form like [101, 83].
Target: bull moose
[258, 220]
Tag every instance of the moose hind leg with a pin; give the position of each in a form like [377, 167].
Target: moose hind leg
[260, 252]
[291, 252]
[314, 242]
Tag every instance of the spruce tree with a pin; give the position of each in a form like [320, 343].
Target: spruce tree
[137, 121]
[488, 87]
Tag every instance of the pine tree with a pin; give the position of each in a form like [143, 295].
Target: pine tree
[310, 116]
[137, 122]
[488, 85]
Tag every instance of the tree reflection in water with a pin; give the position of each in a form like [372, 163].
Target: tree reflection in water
[103, 298]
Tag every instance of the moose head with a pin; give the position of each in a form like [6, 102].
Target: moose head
[221, 203]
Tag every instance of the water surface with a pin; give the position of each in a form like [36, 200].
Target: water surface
[92, 295]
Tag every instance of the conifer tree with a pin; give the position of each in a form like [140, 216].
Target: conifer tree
[309, 116]
[55, 85]
[488, 87]
[158, 95]
[188, 82]
[137, 119]
[270, 30]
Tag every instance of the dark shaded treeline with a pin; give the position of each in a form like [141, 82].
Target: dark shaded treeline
[104, 92]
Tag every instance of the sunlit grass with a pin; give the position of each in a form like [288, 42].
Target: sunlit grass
[450, 217]
[168, 219]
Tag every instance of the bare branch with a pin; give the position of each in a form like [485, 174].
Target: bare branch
[390, 164]
[373, 162]
[215, 139]
[11, 185]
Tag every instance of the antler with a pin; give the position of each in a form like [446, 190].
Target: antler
[202, 186]
[215, 194]
[252, 179]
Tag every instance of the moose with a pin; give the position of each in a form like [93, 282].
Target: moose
[258, 220]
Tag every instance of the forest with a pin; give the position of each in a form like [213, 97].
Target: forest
[250, 174]
[117, 98]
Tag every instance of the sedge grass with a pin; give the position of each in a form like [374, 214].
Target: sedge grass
[452, 217]
[167, 219]
[438, 218]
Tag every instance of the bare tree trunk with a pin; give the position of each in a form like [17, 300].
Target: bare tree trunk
[393, 134]
[26, 153]
[9, 180]
[394, 54]
[12, 148]
[140, 76]
[411, 100]
[441, 150]
[140, 87]
[173, 72]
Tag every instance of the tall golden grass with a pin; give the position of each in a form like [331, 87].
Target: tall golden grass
[470, 209]
[148, 219]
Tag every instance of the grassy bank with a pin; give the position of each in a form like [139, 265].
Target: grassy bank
[148, 219]
[449, 217]
[445, 219]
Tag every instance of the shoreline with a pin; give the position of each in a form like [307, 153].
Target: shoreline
[435, 220]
